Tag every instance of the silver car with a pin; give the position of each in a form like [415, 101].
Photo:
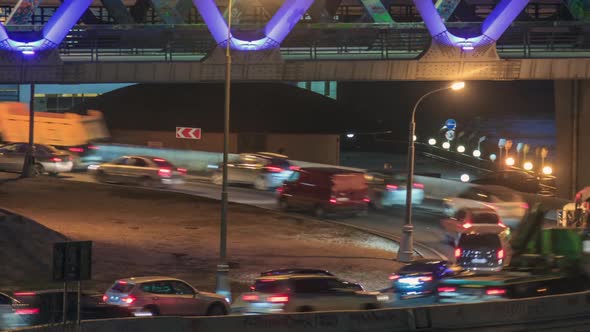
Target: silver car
[146, 171]
[262, 170]
[11, 313]
[154, 296]
[47, 158]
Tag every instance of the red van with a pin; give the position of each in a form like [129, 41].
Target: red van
[325, 190]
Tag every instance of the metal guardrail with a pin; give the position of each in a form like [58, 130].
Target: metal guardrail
[315, 41]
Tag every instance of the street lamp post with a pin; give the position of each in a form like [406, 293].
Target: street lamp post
[223, 286]
[406, 248]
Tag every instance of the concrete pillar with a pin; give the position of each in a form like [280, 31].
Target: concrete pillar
[572, 119]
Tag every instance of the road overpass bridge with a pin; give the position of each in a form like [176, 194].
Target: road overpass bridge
[368, 41]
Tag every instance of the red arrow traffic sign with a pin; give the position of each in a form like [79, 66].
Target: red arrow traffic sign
[188, 133]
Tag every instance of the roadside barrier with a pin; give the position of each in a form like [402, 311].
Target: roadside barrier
[567, 312]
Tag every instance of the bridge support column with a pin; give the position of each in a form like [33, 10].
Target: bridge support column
[572, 119]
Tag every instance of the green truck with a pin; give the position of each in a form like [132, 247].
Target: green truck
[544, 262]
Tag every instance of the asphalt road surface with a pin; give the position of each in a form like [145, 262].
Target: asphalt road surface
[427, 232]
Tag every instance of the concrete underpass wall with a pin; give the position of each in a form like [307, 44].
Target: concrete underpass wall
[572, 116]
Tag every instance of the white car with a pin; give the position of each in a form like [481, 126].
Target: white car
[388, 189]
[467, 219]
[507, 203]
[262, 170]
[305, 293]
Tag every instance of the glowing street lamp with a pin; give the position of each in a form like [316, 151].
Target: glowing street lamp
[350, 135]
[432, 141]
[465, 178]
[476, 153]
[510, 161]
[460, 149]
[406, 247]
[414, 138]
[547, 170]
[528, 165]
[446, 145]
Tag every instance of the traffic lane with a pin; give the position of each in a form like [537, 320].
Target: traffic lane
[426, 224]
[240, 195]
[426, 219]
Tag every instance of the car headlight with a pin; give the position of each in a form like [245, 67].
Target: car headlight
[383, 297]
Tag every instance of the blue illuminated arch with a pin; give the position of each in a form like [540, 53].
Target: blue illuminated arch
[492, 28]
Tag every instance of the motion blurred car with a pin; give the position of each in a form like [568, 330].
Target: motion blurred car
[263, 170]
[46, 306]
[11, 313]
[146, 171]
[325, 190]
[513, 179]
[47, 159]
[277, 272]
[305, 293]
[466, 218]
[155, 296]
[388, 189]
[509, 205]
[483, 248]
[420, 278]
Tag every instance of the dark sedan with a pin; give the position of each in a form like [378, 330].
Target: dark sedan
[420, 278]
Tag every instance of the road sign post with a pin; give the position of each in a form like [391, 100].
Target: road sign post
[451, 124]
[188, 133]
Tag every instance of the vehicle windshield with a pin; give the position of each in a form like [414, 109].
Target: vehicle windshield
[270, 286]
[479, 241]
[162, 162]
[485, 218]
[122, 287]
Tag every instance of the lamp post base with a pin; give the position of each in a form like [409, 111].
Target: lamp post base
[405, 252]
[223, 287]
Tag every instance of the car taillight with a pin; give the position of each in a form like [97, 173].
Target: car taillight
[279, 190]
[393, 277]
[446, 289]
[250, 297]
[129, 299]
[524, 206]
[105, 298]
[164, 172]
[500, 254]
[93, 147]
[294, 168]
[27, 311]
[273, 169]
[467, 225]
[56, 159]
[418, 185]
[425, 279]
[501, 224]
[367, 200]
[78, 150]
[458, 252]
[391, 187]
[24, 294]
[333, 200]
[278, 299]
[181, 170]
[496, 291]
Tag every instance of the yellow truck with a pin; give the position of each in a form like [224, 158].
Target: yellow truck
[66, 131]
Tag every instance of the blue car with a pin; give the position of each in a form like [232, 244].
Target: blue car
[420, 278]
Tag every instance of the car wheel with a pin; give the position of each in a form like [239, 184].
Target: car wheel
[370, 306]
[305, 309]
[319, 211]
[217, 179]
[146, 182]
[260, 183]
[283, 204]
[54, 174]
[101, 176]
[216, 309]
[38, 170]
[153, 310]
